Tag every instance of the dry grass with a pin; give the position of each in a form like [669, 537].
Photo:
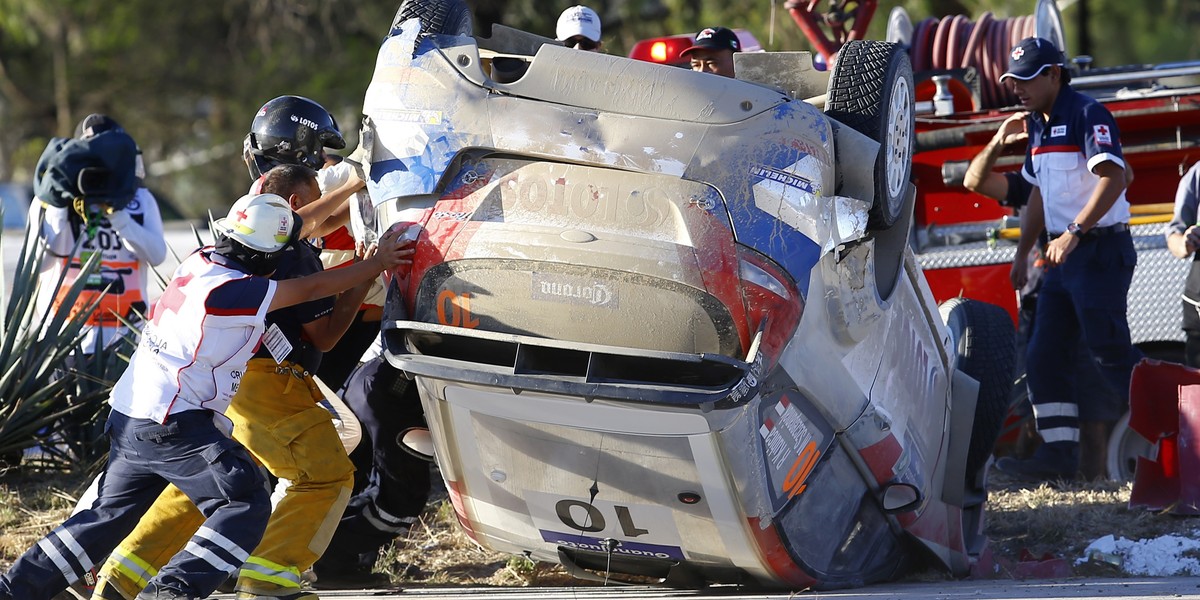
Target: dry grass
[30, 507]
[1063, 519]
[1057, 520]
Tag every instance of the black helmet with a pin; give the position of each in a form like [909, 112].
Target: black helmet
[291, 130]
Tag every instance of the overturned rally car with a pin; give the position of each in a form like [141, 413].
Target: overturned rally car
[666, 324]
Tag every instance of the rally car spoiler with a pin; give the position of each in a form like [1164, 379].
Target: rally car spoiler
[585, 370]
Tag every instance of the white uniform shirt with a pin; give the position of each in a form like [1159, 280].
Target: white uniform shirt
[194, 348]
[129, 243]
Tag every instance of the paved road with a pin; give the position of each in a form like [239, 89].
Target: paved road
[1076, 589]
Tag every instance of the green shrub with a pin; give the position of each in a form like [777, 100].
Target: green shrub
[52, 396]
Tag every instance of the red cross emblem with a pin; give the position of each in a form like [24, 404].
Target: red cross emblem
[1017, 53]
[172, 298]
[1102, 130]
[241, 215]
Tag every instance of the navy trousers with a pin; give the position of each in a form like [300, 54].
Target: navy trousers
[397, 484]
[216, 472]
[1085, 297]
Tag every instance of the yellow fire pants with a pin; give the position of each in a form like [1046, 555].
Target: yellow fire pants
[276, 417]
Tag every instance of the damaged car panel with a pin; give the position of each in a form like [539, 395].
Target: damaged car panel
[655, 326]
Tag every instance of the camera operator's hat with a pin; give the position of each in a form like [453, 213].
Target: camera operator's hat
[1030, 57]
[715, 38]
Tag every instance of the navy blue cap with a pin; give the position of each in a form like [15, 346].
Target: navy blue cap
[715, 38]
[95, 124]
[1030, 57]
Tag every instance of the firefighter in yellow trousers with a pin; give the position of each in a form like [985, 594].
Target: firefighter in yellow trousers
[276, 416]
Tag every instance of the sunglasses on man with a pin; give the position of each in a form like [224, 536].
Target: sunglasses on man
[581, 43]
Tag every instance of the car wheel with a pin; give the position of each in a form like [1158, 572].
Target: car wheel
[985, 342]
[871, 91]
[1124, 447]
[438, 17]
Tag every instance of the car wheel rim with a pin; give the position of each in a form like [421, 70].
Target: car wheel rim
[899, 137]
[1124, 448]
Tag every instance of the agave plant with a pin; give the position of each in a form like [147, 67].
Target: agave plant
[53, 397]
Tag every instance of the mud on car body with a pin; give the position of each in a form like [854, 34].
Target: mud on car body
[667, 324]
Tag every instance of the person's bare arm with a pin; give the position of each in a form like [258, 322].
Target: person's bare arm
[980, 177]
[1033, 221]
[337, 219]
[1182, 245]
[325, 332]
[390, 253]
[316, 213]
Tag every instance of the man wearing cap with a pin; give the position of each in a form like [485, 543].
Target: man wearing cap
[1074, 160]
[713, 51]
[579, 27]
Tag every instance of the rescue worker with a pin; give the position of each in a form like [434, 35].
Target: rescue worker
[713, 51]
[397, 483]
[293, 130]
[296, 130]
[166, 425]
[579, 27]
[1010, 189]
[1074, 159]
[275, 415]
[129, 240]
[1183, 238]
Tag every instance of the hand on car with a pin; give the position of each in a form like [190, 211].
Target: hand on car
[391, 251]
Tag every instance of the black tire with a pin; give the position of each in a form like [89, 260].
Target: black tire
[438, 17]
[985, 342]
[871, 91]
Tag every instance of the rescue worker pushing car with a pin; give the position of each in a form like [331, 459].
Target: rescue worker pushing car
[1074, 159]
[275, 415]
[167, 424]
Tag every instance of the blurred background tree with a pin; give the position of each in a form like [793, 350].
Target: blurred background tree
[186, 78]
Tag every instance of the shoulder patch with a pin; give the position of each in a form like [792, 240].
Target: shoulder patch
[1103, 134]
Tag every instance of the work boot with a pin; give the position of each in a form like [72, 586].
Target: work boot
[295, 596]
[1093, 449]
[104, 591]
[360, 578]
[1051, 462]
[153, 592]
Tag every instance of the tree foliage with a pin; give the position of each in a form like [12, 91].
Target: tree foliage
[185, 79]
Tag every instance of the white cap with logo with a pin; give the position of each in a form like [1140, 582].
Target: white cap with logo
[578, 20]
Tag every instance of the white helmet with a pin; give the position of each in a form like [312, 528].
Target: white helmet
[262, 222]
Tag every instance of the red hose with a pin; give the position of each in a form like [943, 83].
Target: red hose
[956, 42]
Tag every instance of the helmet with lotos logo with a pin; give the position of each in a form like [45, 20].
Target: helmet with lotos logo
[291, 130]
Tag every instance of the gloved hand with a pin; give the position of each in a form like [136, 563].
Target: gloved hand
[119, 219]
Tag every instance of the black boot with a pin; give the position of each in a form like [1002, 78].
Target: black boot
[1051, 462]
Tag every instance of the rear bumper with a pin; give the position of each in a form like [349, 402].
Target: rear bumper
[587, 371]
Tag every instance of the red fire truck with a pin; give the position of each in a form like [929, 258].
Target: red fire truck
[965, 242]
